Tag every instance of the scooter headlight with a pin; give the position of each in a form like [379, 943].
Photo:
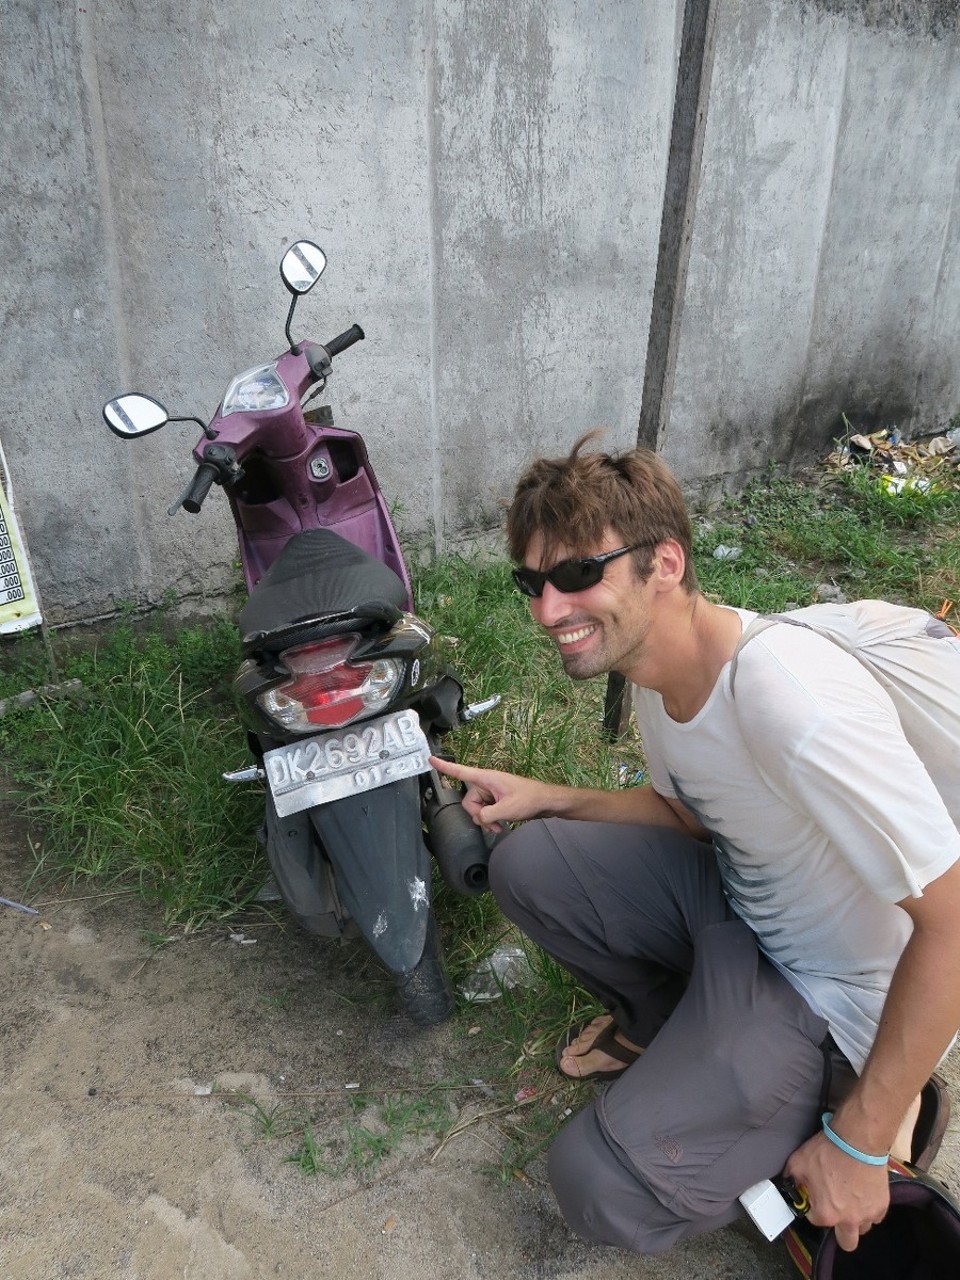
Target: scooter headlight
[255, 390]
[326, 691]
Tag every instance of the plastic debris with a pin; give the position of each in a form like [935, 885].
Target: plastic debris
[903, 466]
[727, 553]
[18, 906]
[525, 1094]
[942, 444]
[504, 968]
[897, 484]
[203, 1091]
[630, 775]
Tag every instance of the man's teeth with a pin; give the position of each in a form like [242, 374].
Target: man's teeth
[571, 637]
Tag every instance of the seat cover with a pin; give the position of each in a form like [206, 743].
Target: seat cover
[319, 574]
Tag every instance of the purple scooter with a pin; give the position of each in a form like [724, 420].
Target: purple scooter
[342, 689]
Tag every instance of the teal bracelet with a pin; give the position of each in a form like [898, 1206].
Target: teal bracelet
[845, 1146]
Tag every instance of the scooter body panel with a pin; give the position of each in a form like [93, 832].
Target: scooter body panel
[328, 484]
[302, 874]
[382, 866]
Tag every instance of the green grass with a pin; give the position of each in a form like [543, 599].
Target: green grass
[376, 1130]
[122, 786]
[844, 530]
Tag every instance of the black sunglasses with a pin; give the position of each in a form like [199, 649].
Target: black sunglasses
[568, 575]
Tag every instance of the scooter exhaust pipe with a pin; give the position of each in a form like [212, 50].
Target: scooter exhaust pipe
[457, 843]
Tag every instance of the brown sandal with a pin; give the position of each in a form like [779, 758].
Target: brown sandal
[606, 1042]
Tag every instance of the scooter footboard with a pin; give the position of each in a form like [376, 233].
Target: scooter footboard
[382, 867]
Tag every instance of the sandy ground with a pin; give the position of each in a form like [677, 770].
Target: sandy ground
[116, 1161]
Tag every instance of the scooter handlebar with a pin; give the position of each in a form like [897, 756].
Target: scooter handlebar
[344, 340]
[199, 487]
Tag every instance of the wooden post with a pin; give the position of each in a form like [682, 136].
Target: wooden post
[694, 72]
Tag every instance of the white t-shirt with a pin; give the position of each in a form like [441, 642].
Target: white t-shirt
[822, 815]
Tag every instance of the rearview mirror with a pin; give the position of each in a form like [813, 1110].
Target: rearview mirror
[134, 415]
[302, 266]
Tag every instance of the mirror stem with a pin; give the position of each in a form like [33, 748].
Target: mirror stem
[207, 430]
[294, 347]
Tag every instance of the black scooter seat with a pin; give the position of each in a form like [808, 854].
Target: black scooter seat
[320, 576]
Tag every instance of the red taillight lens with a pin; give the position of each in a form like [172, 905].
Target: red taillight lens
[326, 690]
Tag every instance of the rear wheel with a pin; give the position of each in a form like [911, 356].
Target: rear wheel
[425, 991]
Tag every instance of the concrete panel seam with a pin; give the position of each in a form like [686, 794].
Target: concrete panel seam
[434, 252]
[98, 145]
[950, 221]
[827, 208]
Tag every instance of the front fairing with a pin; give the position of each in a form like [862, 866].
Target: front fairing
[278, 433]
[301, 472]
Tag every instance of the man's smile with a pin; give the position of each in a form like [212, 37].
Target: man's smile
[574, 636]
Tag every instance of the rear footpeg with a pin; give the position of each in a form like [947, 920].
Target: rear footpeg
[253, 774]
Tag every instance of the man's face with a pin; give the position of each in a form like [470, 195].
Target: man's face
[603, 628]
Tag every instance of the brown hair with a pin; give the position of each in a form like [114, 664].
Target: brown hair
[573, 501]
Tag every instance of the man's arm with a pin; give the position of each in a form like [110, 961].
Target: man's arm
[493, 798]
[920, 1015]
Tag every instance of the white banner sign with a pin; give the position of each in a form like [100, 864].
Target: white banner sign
[19, 608]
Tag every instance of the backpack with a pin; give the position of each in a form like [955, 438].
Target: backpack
[919, 1239]
[914, 656]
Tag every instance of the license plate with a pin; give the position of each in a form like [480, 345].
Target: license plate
[346, 762]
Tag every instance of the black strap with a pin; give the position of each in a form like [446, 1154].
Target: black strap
[826, 1048]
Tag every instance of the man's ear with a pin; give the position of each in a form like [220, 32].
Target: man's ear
[669, 564]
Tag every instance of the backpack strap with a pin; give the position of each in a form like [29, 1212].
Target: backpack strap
[762, 622]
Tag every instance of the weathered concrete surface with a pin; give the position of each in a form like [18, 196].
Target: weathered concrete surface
[487, 184]
[824, 270]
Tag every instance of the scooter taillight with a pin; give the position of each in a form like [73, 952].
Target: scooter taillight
[326, 690]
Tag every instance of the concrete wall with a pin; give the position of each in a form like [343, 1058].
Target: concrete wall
[486, 181]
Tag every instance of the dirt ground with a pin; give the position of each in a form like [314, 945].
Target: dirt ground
[120, 1158]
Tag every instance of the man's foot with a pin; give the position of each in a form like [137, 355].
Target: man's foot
[597, 1050]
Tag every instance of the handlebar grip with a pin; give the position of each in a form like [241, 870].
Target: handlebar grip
[199, 487]
[344, 340]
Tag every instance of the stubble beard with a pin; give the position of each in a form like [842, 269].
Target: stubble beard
[583, 666]
[604, 659]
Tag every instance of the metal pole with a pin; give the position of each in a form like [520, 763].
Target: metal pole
[694, 72]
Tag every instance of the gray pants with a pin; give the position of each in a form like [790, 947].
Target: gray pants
[732, 1078]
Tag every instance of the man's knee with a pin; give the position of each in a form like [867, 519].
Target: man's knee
[575, 1169]
[600, 1198]
[522, 866]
